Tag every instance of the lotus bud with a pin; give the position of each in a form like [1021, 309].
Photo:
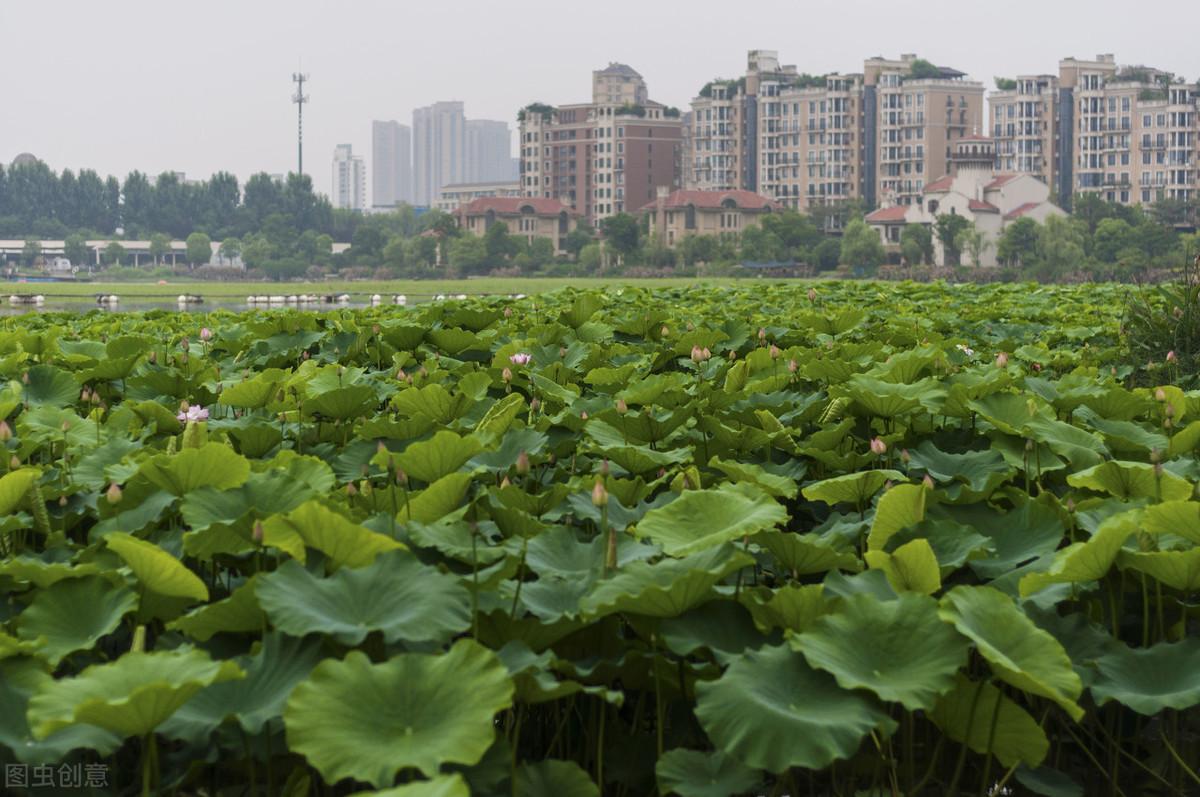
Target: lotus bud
[14, 462]
[732, 355]
[664, 331]
[304, 355]
[258, 532]
[774, 352]
[887, 485]
[878, 447]
[508, 312]
[400, 375]
[1002, 360]
[622, 407]
[583, 415]
[1113, 370]
[1070, 504]
[351, 490]
[1160, 395]
[927, 481]
[183, 344]
[153, 358]
[505, 483]
[380, 448]
[697, 354]
[522, 463]
[707, 354]
[365, 487]
[1154, 455]
[562, 351]
[376, 329]
[25, 378]
[62, 501]
[812, 294]
[365, 470]
[1158, 470]
[1169, 410]
[113, 494]
[280, 396]
[6, 432]
[762, 334]
[1028, 445]
[401, 477]
[905, 457]
[205, 334]
[66, 426]
[793, 366]
[604, 469]
[506, 375]
[1177, 312]
[599, 494]
[551, 459]
[1171, 358]
[85, 395]
[535, 404]
[662, 472]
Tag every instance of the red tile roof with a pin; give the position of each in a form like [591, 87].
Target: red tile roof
[1001, 179]
[745, 200]
[1020, 210]
[940, 185]
[979, 206]
[514, 206]
[896, 213]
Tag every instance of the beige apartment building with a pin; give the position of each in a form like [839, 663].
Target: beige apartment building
[673, 216]
[604, 157]
[1128, 134]
[526, 218]
[803, 139]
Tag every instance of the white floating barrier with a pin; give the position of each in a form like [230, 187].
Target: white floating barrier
[400, 299]
[275, 299]
[461, 296]
[343, 298]
[376, 300]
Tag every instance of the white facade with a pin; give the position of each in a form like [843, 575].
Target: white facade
[439, 147]
[349, 179]
[391, 164]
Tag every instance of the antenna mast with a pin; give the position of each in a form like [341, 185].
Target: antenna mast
[300, 98]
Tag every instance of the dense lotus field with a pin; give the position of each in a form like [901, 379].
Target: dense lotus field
[867, 540]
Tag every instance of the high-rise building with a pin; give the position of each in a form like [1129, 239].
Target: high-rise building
[439, 145]
[488, 153]
[603, 157]
[1129, 134]
[391, 164]
[349, 179]
[813, 139]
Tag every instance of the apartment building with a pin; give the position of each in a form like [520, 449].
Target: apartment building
[488, 153]
[1128, 134]
[391, 164]
[439, 149]
[526, 218]
[603, 157]
[813, 139]
[349, 179]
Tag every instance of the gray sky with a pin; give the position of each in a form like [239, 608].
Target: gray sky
[199, 87]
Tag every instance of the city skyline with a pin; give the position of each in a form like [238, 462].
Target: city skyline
[244, 122]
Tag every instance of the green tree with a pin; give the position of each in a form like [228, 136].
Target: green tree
[589, 258]
[695, 249]
[861, 246]
[1018, 243]
[916, 242]
[256, 251]
[796, 233]
[948, 226]
[1060, 247]
[826, 254]
[284, 268]
[576, 239]
[367, 244]
[468, 254]
[499, 244]
[199, 248]
[114, 253]
[231, 248]
[1110, 238]
[622, 234]
[160, 246]
[75, 249]
[972, 241]
[540, 252]
[395, 254]
[31, 251]
[758, 245]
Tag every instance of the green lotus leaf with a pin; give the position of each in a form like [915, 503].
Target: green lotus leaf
[1185, 441]
[90, 471]
[853, 488]
[804, 554]
[131, 696]
[12, 646]
[437, 500]
[256, 392]
[333, 718]
[430, 460]
[770, 483]
[14, 488]
[239, 612]
[263, 494]
[211, 465]
[1177, 569]
[898, 508]
[499, 417]
[73, 615]
[701, 519]
[723, 627]
[1181, 518]
[980, 471]
[1127, 480]
[346, 543]
[1027, 532]
[691, 773]
[395, 595]
[536, 682]
[1085, 561]
[953, 543]
[26, 569]
[15, 735]
[771, 711]
[271, 673]
[1020, 653]
[792, 607]
[1048, 782]
[911, 658]
[432, 401]
[156, 569]
[887, 400]
[50, 387]
[667, 588]
[555, 779]
[913, 567]
[439, 786]
[1148, 680]
[982, 717]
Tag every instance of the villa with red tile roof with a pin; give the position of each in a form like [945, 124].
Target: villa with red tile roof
[974, 191]
[675, 215]
[526, 217]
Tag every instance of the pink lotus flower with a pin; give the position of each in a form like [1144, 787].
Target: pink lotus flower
[878, 447]
[520, 358]
[205, 334]
[193, 413]
[1171, 356]
[1001, 360]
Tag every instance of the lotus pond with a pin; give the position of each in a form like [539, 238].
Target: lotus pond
[880, 540]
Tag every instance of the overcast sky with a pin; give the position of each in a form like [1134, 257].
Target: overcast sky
[205, 86]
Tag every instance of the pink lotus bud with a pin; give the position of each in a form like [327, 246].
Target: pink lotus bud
[1177, 312]
[375, 330]
[812, 294]
[878, 447]
[1070, 504]
[905, 457]
[522, 463]
[604, 467]
[14, 463]
[928, 482]
[62, 501]
[1171, 356]
[205, 334]
[505, 483]
[1037, 366]
[351, 490]
[599, 494]
[622, 407]
[153, 357]
[534, 404]
[258, 532]
[583, 415]
[6, 432]
[1158, 470]
[774, 352]
[664, 331]
[697, 354]
[400, 375]
[1169, 410]
[762, 334]
[1160, 395]
[508, 312]
[1001, 360]
[183, 344]
[401, 477]
[25, 378]
[707, 354]
[85, 395]
[113, 494]
[793, 366]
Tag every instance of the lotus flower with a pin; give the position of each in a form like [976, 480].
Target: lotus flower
[520, 358]
[205, 334]
[1002, 360]
[878, 447]
[193, 413]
